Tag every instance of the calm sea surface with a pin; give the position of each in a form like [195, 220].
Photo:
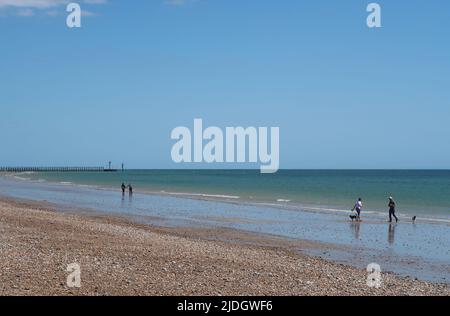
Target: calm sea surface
[418, 192]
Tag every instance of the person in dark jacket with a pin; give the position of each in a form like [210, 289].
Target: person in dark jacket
[130, 189]
[392, 206]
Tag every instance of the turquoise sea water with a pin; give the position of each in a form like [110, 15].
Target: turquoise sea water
[418, 192]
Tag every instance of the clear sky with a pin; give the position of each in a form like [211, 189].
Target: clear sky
[343, 95]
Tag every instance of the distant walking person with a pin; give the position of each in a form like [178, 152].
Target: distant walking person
[391, 206]
[123, 188]
[130, 189]
[358, 206]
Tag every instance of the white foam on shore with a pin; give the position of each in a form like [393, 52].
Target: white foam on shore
[440, 220]
[219, 196]
[21, 178]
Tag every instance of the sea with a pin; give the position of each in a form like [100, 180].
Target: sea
[423, 193]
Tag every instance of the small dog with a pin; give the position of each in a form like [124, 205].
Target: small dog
[353, 217]
[414, 219]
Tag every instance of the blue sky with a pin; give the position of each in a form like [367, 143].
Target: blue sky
[343, 95]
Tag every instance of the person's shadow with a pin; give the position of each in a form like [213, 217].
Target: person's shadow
[391, 234]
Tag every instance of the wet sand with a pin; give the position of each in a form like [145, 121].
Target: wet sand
[120, 257]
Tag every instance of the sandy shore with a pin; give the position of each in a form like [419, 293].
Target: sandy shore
[119, 257]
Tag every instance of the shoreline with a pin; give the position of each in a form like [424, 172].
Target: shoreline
[120, 257]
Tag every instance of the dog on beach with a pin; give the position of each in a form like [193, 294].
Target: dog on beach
[353, 217]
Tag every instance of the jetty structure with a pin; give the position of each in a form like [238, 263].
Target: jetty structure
[56, 169]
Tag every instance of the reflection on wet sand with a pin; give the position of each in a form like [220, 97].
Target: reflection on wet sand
[356, 229]
[123, 204]
[130, 201]
[391, 233]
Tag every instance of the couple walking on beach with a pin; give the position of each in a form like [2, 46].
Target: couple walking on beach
[358, 207]
[130, 189]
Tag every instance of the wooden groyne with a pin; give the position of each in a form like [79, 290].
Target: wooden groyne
[55, 169]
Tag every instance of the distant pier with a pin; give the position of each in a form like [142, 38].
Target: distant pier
[56, 169]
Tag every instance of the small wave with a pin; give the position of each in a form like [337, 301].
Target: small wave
[221, 196]
[322, 209]
[440, 220]
[282, 200]
[66, 183]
